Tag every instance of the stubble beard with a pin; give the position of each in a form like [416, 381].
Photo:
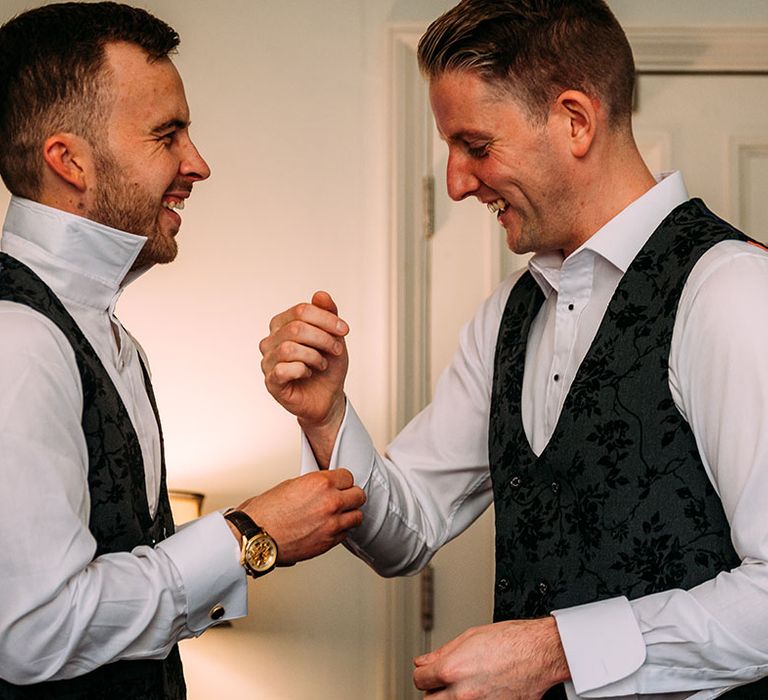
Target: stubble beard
[125, 206]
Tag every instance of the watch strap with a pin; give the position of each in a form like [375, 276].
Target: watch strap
[254, 538]
[244, 523]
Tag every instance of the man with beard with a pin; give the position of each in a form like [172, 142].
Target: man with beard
[611, 400]
[97, 588]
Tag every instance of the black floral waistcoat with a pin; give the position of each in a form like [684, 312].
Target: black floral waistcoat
[120, 519]
[618, 503]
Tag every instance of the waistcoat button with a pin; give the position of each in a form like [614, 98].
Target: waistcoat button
[555, 486]
[515, 482]
[543, 588]
[502, 585]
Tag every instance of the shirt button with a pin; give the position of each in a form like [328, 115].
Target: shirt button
[555, 486]
[570, 307]
[502, 585]
[515, 482]
[217, 612]
[556, 377]
[543, 588]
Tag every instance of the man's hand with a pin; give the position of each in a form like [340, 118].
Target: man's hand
[304, 360]
[514, 660]
[308, 515]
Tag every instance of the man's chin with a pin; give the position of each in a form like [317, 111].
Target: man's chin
[153, 254]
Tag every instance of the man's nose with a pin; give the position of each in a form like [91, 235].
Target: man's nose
[193, 165]
[460, 180]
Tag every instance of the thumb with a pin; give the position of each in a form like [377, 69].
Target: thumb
[425, 659]
[325, 301]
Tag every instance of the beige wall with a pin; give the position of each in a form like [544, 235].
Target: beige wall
[289, 106]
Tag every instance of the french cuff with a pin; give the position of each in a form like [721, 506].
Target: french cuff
[353, 449]
[308, 461]
[208, 561]
[602, 643]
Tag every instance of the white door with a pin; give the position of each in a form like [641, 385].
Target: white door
[713, 129]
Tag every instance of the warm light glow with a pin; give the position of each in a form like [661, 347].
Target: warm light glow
[185, 505]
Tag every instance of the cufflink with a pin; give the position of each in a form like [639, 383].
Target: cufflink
[217, 612]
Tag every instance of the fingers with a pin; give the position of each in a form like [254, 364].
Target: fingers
[340, 478]
[351, 497]
[298, 340]
[428, 678]
[349, 520]
[322, 315]
[301, 340]
[424, 659]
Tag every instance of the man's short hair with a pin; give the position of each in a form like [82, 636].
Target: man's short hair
[53, 78]
[534, 50]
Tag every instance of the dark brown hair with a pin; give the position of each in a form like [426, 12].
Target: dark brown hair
[53, 79]
[536, 49]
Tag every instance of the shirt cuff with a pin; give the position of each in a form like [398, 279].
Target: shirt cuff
[207, 559]
[602, 642]
[353, 449]
[308, 461]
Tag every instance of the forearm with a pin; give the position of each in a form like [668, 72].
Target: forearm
[65, 617]
[417, 499]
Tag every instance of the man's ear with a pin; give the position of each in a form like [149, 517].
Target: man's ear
[69, 158]
[577, 114]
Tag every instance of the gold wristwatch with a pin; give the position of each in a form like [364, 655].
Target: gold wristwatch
[258, 553]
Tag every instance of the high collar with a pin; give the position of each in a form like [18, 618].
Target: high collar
[81, 260]
[619, 241]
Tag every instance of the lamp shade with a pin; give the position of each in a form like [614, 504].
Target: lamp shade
[185, 505]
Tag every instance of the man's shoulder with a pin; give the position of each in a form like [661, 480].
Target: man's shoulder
[26, 333]
[728, 285]
[727, 261]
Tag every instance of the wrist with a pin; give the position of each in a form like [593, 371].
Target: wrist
[555, 653]
[322, 434]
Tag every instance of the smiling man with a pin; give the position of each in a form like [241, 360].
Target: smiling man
[611, 400]
[97, 588]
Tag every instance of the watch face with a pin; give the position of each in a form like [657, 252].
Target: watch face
[260, 553]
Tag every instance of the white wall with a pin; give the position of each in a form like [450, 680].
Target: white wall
[289, 106]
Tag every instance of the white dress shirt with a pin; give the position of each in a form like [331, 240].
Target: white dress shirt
[434, 480]
[63, 612]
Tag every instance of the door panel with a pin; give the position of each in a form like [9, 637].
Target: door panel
[714, 128]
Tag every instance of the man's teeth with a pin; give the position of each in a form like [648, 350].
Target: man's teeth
[498, 205]
[174, 205]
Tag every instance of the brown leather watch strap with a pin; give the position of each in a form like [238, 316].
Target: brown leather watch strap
[244, 523]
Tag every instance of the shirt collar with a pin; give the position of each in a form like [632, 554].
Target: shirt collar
[621, 238]
[81, 260]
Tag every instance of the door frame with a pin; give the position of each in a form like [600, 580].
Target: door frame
[657, 50]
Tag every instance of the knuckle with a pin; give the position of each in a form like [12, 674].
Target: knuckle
[301, 310]
[283, 351]
[294, 329]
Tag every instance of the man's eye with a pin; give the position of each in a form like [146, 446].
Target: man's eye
[477, 151]
[166, 138]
